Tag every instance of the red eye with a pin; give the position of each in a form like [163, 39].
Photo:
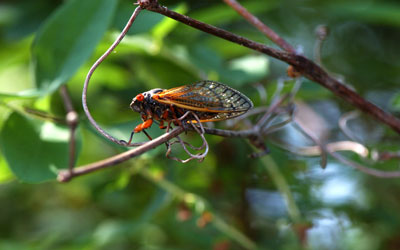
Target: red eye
[140, 97]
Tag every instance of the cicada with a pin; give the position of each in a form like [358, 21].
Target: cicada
[207, 100]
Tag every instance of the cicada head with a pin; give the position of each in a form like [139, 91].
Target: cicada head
[141, 102]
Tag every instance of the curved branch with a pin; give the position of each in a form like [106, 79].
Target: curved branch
[90, 73]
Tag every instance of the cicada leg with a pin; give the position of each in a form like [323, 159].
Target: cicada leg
[148, 136]
[162, 126]
[141, 127]
[164, 117]
[176, 120]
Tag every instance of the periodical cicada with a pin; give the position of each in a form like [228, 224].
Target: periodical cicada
[208, 100]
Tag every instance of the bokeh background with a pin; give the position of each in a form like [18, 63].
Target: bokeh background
[229, 201]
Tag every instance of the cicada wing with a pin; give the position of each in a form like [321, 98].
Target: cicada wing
[207, 96]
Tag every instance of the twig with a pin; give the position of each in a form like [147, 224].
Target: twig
[344, 119]
[72, 121]
[262, 92]
[322, 32]
[306, 67]
[90, 73]
[367, 170]
[305, 131]
[344, 160]
[385, 156]
[336, 146]
[64, 176]
[272, 35]
[44, 115]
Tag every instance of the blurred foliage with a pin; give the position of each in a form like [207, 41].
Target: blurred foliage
[229, 201]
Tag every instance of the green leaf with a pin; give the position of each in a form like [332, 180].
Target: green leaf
[395, 102]
[34, 150]
[67, 39]
[5, 173]
[249, 69]
[165, 27]
[223, 14]
[376, 13]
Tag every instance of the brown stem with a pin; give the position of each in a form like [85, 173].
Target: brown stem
[72, 121]
[308, 68]
[272, 35]
[66, 175]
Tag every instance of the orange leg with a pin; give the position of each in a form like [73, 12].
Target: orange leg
[162, 126]
[144, 125]
[141, 127]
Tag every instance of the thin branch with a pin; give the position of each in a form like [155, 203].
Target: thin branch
[64, 175]
[385, 156]
[272, 35]
[262, 92]
[72, 121]
[305, 131]
[306, 67]
[344, 119]
[90, 73]
[370, 171]
[322, 32]
[367, 170]
[44, 115]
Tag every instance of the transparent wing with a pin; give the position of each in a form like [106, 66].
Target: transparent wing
[209, 97]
